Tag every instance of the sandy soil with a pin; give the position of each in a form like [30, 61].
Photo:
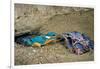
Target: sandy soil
[57, 53]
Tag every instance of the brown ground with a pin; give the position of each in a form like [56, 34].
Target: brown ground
[57, 53]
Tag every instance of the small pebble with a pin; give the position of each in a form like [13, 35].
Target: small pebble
[34, 50]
